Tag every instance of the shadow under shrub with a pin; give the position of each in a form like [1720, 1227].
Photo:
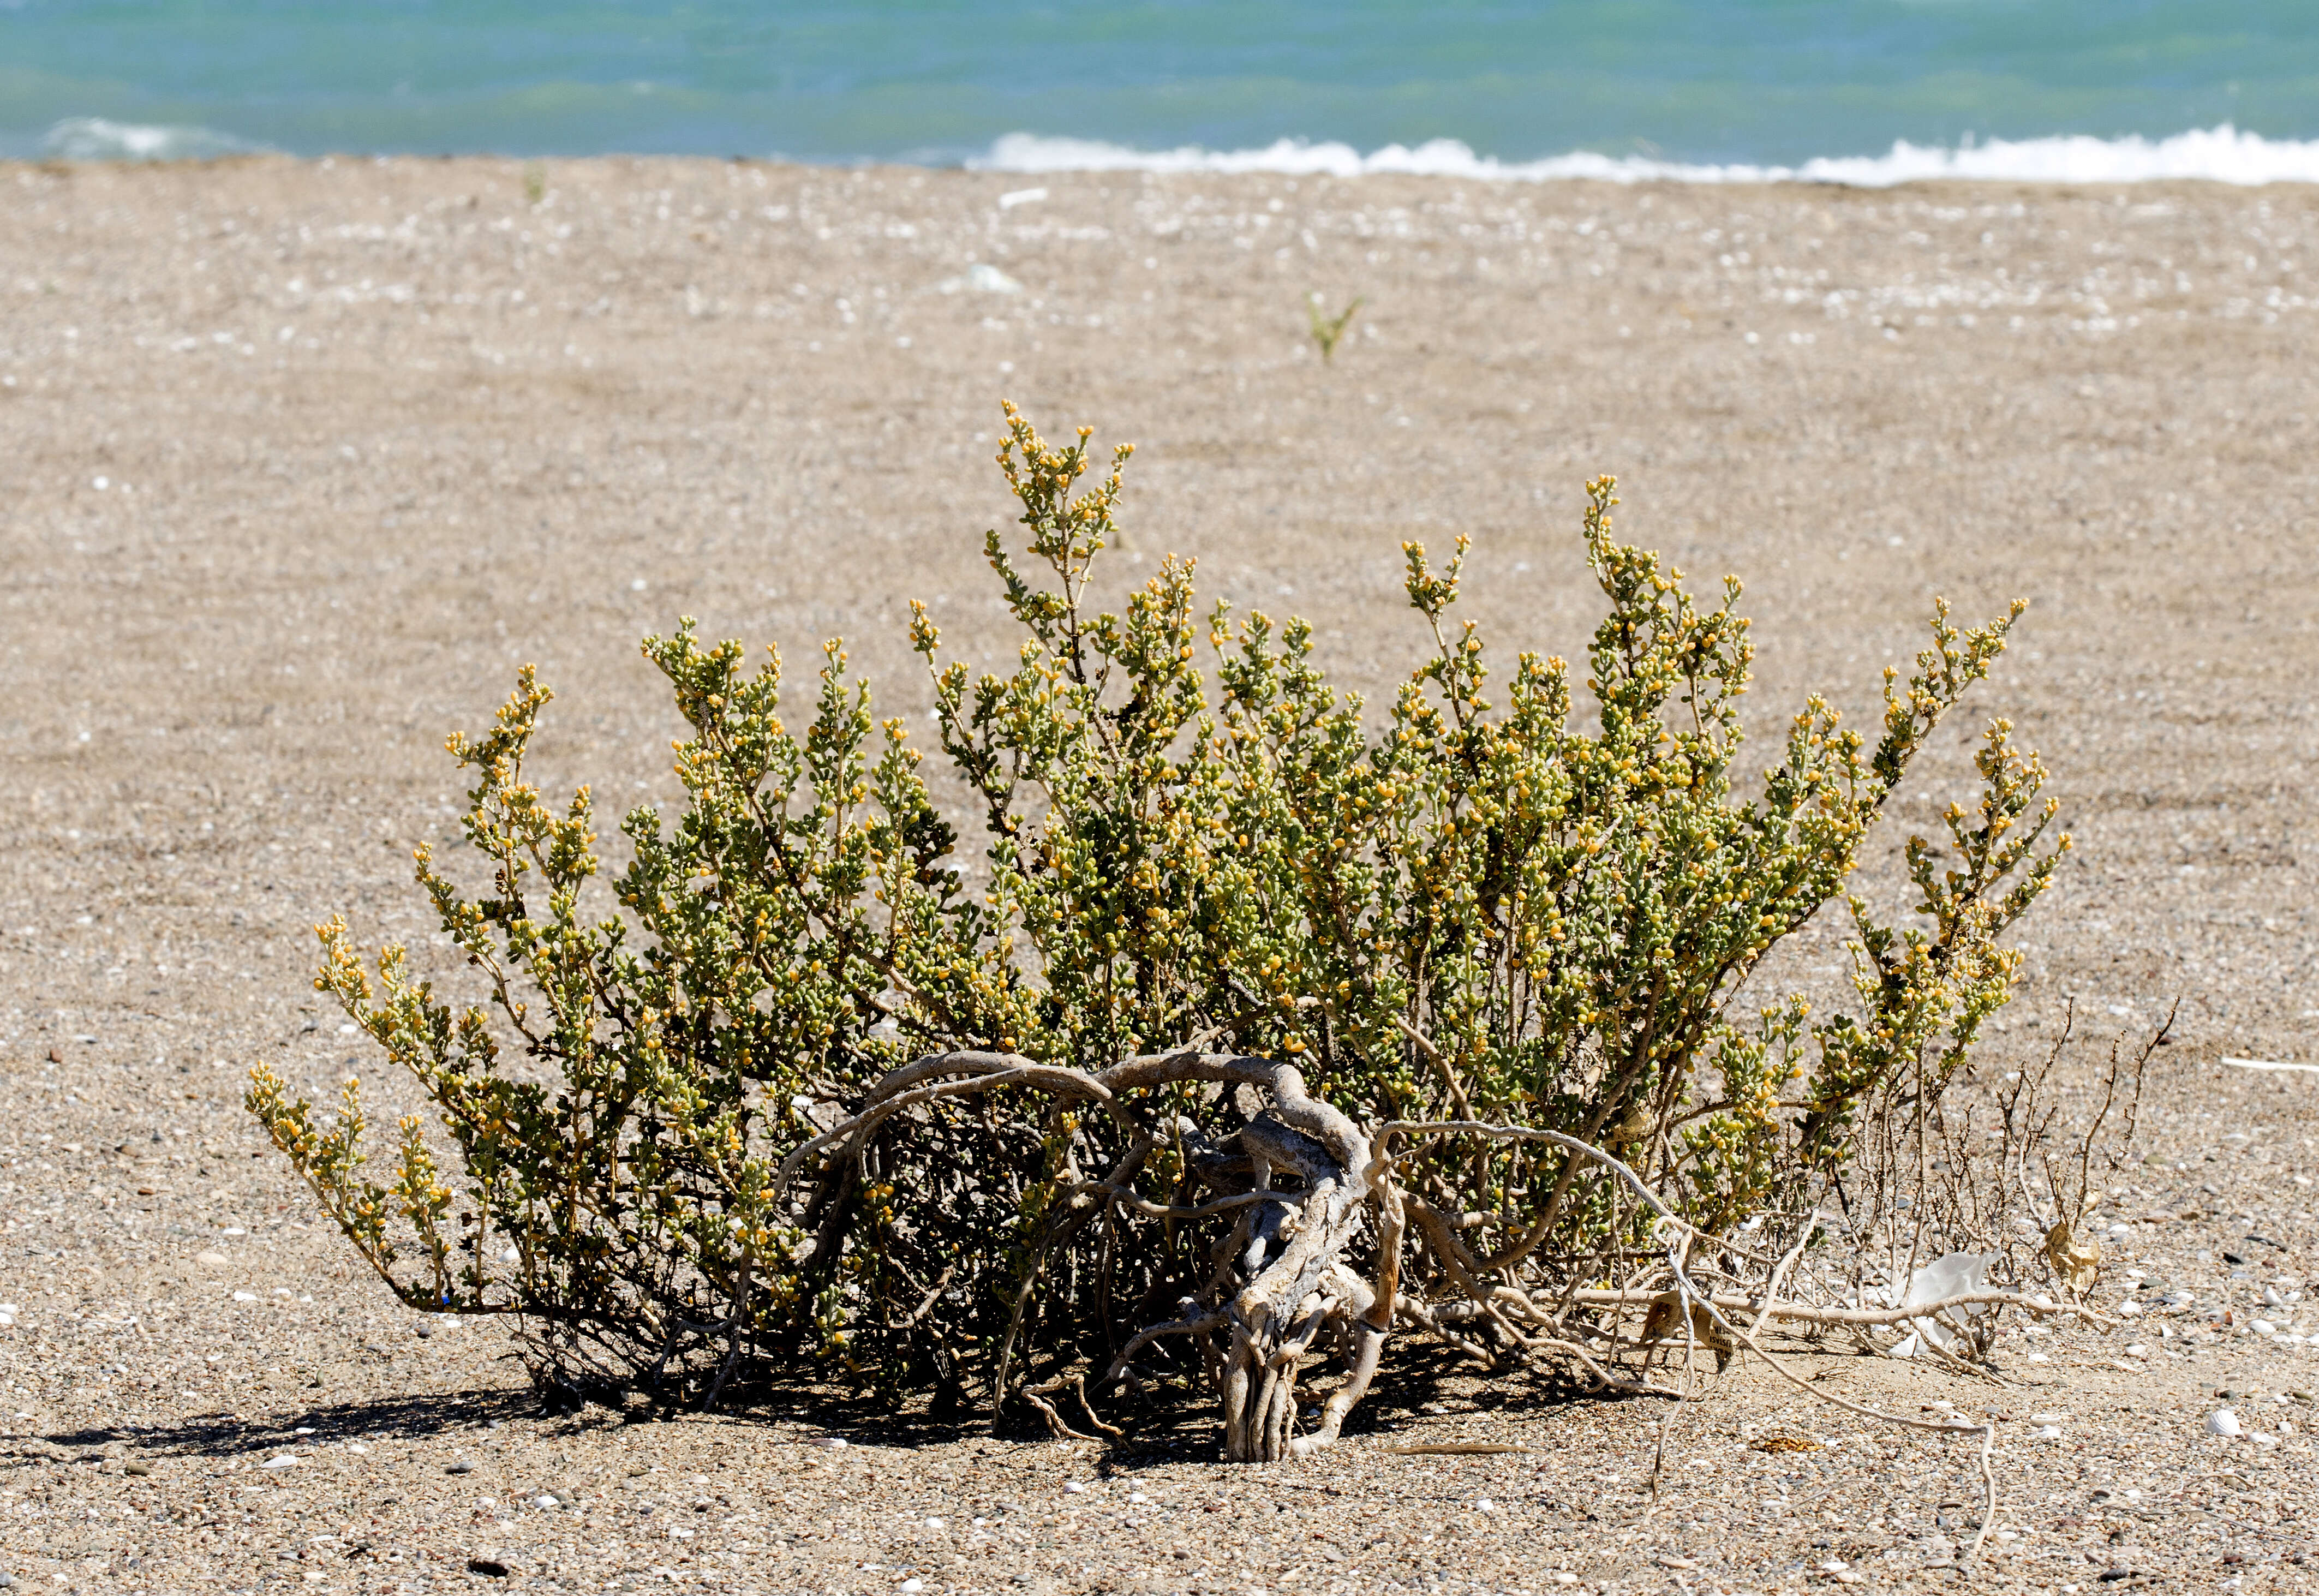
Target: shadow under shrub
[1262, 1024]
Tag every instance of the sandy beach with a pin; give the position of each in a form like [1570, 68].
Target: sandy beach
[300, 460]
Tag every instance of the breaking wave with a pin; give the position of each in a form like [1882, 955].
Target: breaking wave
[95, 138]
[2212, 154]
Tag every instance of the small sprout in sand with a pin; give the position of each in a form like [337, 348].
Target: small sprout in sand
[1328, 331]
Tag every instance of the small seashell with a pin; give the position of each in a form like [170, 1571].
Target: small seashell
[2223, 1421]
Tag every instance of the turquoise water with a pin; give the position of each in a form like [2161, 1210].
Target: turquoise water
[1686, 81]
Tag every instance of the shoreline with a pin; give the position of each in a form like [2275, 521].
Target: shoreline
[2221, 154]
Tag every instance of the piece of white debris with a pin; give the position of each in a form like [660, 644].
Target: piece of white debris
[831, 1441]
[981, 277]
[1958, 1274]
[545, 1502]
[284, 1460]
[2046, 1432]
[2223, 1421]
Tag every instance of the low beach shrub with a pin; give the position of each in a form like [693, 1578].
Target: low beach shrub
[1259, 1025]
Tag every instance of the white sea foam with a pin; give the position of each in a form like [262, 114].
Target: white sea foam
[95, 138]
[2214, 155]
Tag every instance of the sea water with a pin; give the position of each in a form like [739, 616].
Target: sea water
[1851, 91]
